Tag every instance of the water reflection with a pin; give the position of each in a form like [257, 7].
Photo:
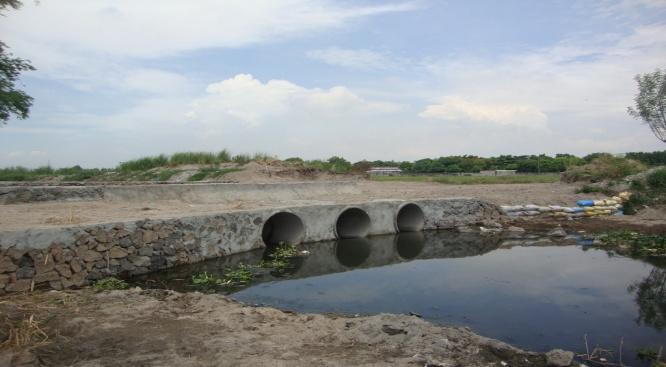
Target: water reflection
[409, 244]
[527, 290]
[352, 252]
[650, 296]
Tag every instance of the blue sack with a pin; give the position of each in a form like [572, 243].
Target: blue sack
[585, 203]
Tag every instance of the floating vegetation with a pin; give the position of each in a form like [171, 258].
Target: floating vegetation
[108, 284]
[278, 258]
[641, 244]
[240, 275]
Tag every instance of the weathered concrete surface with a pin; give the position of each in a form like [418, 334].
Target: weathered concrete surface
[73, 256]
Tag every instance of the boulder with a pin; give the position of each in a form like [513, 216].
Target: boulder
[559, 358]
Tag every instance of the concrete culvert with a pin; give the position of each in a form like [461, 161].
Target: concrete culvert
[283, 227]
[352, 223]
[410, 218]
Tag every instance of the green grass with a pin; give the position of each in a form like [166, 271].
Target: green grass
[143, 164]
[75, 173]
[473, 180]
[192, 158]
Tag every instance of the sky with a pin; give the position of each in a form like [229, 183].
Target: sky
[391, 80]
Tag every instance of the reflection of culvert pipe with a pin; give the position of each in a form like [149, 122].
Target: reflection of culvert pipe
[410, 218]
[352, 223]
[410, 244]
[283, 227]
[352, 252]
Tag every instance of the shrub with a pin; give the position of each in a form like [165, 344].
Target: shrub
[657, 179]
[605, 167]
[588, 189]
[223, 156]
[241, 158]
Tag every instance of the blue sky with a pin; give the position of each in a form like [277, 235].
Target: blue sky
[365, 79]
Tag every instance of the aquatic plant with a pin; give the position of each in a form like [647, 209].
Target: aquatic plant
[642, 244]
[108, 284]
[240, 275]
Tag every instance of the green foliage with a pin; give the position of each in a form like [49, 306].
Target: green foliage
[13, 101]
[241, 159]
[604, 167]
[473, 180]
[279, 256]
[108, 284]
[143, 164]
[649, 158]
[657, 179]
[650, 102]
[166, 174]
[636, 201]
[589, 189]
[223, 156]
[192, 158]
[294, 160]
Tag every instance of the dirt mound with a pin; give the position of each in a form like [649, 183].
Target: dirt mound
[278, 171]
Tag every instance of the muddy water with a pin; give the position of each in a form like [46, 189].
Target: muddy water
[531, 292]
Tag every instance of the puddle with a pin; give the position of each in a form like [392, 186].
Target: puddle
[531, 292]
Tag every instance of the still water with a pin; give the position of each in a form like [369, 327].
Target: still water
[530, 292]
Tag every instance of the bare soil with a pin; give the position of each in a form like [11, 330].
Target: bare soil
[165, 328]
[54, 214]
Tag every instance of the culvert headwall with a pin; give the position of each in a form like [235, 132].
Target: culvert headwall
[72, 256]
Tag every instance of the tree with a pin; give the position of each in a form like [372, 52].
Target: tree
[651, 102]
[13, 101]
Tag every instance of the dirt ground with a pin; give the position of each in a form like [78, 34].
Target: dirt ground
[164, 328]
[50, 214]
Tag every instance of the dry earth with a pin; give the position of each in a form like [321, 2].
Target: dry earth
[164, 328]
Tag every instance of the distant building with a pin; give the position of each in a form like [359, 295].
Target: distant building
[384, 171]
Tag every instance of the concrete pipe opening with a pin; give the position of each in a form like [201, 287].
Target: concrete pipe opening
[283, 227]
[410, 218]
[352, 223]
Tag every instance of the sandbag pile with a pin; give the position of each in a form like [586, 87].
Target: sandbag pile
[584, 208]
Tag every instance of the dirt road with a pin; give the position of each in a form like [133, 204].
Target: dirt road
[50, 214]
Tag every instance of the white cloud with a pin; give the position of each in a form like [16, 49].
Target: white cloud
[149, 29]
[247, 100]
[361, 59]
[458, 109]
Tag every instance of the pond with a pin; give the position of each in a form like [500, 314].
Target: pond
[532, 292]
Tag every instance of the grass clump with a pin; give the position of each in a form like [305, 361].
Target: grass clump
[657, 179]
[108, 284]
[192, 158]
[241, 159]
[143, 164]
